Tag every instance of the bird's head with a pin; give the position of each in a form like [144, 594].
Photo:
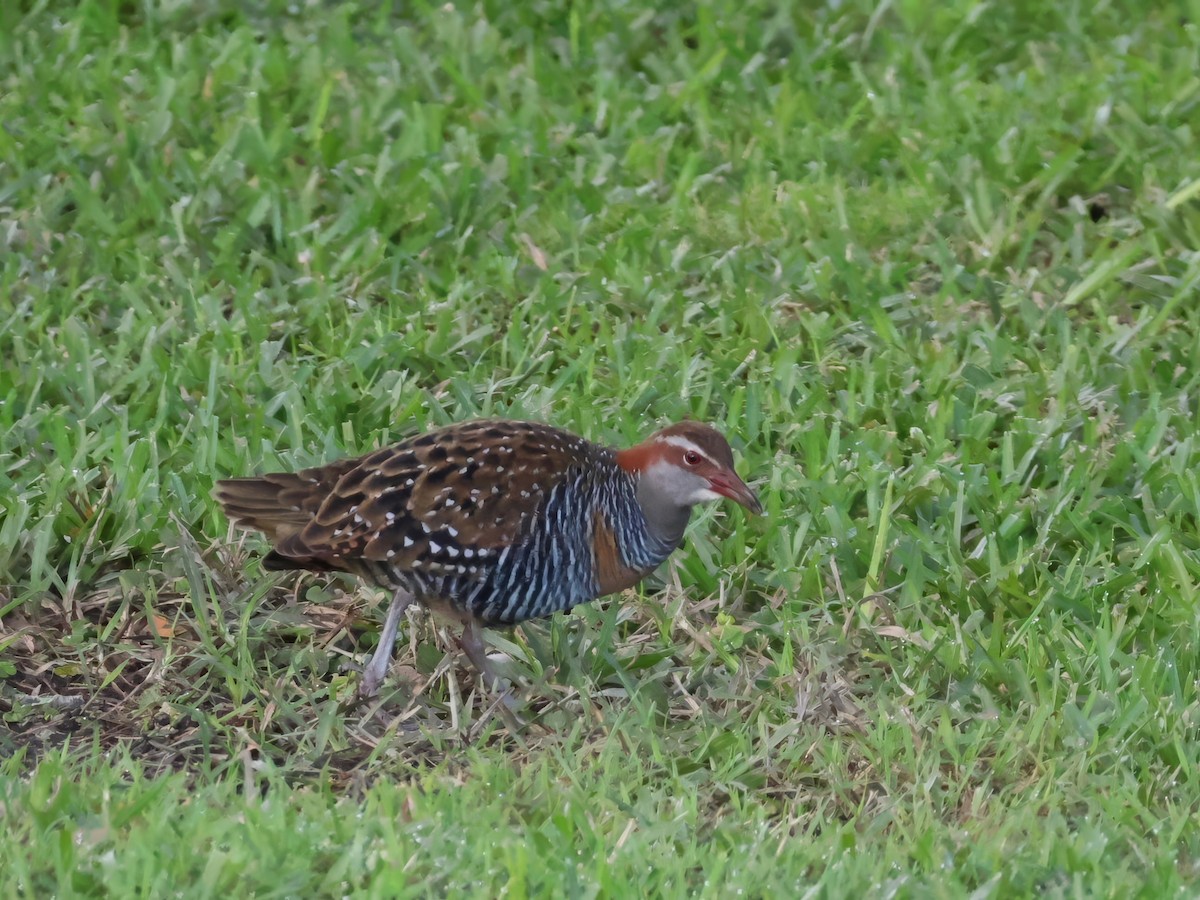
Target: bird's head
[686, 464]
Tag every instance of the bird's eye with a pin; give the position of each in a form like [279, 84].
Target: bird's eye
[691, 457]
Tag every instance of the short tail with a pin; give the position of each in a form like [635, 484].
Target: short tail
[279, 505]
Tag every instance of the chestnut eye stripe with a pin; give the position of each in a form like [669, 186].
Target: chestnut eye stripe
[687, 446]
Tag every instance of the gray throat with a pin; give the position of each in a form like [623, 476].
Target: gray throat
[665, 522]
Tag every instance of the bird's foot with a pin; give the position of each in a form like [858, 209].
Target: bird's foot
[369, 684]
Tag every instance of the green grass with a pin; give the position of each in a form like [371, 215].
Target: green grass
[934, 268]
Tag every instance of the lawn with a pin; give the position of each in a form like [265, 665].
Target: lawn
[933, 268]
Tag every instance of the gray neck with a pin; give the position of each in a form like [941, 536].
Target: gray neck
[666, 522]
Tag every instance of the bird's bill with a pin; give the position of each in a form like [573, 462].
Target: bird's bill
[728, 484]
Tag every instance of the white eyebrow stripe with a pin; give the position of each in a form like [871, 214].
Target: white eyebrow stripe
[676, 440]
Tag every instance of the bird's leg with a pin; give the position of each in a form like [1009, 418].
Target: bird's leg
[377, 668]
[475, 648]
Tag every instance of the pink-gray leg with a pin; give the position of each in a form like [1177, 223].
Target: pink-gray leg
[377, 668]
[474, 646]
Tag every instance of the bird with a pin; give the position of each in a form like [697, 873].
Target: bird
[489, 522]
